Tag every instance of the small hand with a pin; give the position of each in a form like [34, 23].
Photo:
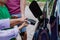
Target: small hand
[25, 23]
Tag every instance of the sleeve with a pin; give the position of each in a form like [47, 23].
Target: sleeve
[11, 33]
[4, 23]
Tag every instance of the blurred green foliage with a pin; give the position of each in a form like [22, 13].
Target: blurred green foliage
[37, 0]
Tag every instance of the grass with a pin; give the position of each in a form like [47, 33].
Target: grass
[38, 0]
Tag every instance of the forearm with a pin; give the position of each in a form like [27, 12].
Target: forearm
[13, 22]
[21, 26]
[22, 6]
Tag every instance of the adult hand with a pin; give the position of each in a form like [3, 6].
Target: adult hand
[23, 19]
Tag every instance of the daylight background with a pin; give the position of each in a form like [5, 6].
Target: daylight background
[28, 14]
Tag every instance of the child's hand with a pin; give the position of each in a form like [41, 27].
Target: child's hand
[25, 23]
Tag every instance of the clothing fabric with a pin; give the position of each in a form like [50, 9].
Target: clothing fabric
[8, 34]
[4, 23]
[4, 13]
[4, 17]
[19, 16]
[13, 6]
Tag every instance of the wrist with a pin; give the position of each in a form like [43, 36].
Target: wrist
[22, 14]
[20, 27]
